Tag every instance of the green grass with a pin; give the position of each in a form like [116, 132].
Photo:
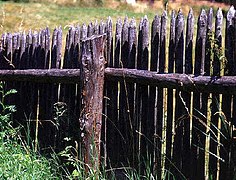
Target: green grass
[16, 17]
[17, 163]
[17, 160]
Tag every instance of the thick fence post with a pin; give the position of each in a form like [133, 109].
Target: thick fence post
[92, 83]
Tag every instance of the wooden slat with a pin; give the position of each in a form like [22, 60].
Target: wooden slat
[216, 99]
[67, 97]
[155, 51]
[111, 131]
[187, 96]
[46, 128]
[55, 64]
[170, 102]
[228, 102]
[124, 121]
[198, 137]
[131, 87]
[160, 97]
[109, 45]
[178, 149]
[142, 91]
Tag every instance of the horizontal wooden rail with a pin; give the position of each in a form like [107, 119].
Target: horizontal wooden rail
[68, 76]
[224, 84]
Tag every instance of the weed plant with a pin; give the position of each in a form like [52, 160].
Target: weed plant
[17, 161]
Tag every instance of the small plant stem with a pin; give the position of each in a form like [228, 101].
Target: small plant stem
[37, 126]
[218, 138]
[207, 144]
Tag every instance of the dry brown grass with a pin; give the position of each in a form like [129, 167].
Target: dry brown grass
[24, 16]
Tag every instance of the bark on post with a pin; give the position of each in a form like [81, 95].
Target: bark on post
[92, 83]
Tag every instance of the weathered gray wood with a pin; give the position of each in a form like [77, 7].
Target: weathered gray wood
[142, 59]
[9, 45]
[162, 60]
[215, 118]
[178, 149]
[189, 43]
[179, 42]
[108, 29]
[96, 28]
[71, 46]
[8, 57]
[172, 43]
[22, 58]
[228, 102]
[68, 92]
[111, 110]
[44, 105]
[232, 149]
[132, 43]
[47, 47]
[208, 69]
[83, 31]
[54, 48]
[124, 43]
[218, 36]
[124, 122]
[109, 45]
[155, 51]
[188, 82]
[102, 27]
[153, 100]
[35, 52]
[188, 69]
[59, 47]
[1, 44]
[142, 91]
[90, 29]
[160, 98]
[15, 48]
[200, 51]
[92, 82]
[42, 55]
[210, 20]
[53, 88]
[155, 42]
[198, 138]
[3, 59]
[132, 60]
[209, 43]
[117, 43]
[170, 104]
[76, 53]
[229, 43]
[29, 47]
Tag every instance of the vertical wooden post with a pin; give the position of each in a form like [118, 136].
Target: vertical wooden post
[92, 83]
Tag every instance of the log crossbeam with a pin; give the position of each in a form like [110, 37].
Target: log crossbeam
[214, 84]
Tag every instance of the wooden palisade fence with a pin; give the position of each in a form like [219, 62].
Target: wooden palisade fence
[172, 103]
